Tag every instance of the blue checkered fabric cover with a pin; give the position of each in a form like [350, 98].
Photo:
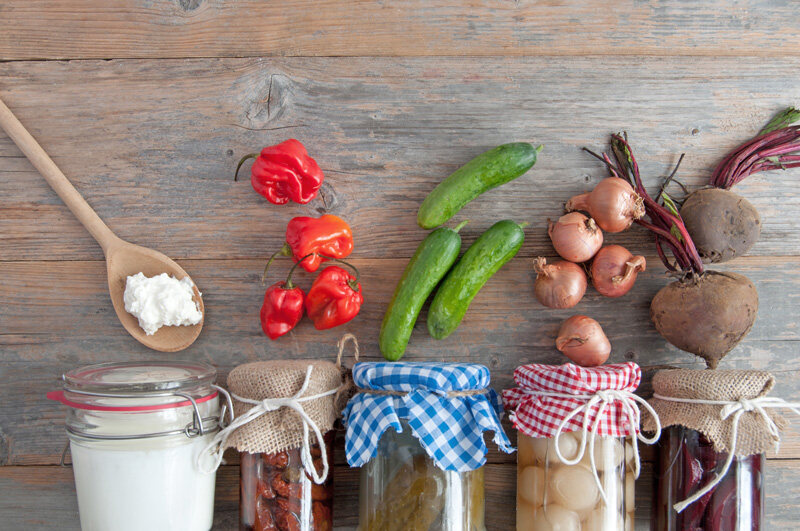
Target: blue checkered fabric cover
[449, 428]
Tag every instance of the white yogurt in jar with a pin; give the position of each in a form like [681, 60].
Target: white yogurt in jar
[137, 432]
[124, 487]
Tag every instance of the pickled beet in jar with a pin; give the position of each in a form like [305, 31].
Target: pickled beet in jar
[577, 458]
[416, 432]
[687, 462]
[718, 424]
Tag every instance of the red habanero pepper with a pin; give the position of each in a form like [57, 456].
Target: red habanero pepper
[283, 307]
[334, 298]
[284, 172]
[316, 239]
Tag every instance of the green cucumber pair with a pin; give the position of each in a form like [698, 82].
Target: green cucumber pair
[431, 262]
[436, 255]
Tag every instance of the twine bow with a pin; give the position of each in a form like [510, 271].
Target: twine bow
[260, 407]
[602, 399]
[734, 410]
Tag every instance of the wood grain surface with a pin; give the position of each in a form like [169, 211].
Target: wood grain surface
[68, 29]
[385, 130]
[147, 105]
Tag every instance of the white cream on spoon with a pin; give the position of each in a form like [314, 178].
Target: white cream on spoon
[161, 300]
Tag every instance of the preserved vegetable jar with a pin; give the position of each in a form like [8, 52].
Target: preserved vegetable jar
[271, 490]
[687, 462]
[416, 431]
[718, 425]
[283, 428]
[575, 468]
[136, 434]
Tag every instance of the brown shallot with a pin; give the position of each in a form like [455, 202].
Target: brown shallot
[583, 341]
[575, 237]
[613, 204]
[614, 270]
[558, 285]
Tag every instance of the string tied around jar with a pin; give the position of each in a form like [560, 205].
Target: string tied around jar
[601, 400]
[733, 410]
[216, 448]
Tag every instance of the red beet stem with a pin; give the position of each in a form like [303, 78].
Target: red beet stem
[663, 223]
[776, 139]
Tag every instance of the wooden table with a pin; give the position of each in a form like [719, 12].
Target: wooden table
[147, 106]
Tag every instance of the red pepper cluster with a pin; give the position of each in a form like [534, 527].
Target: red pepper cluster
[335, 296]
[282, 173]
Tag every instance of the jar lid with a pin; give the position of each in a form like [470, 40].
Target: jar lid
[447, 405]
[548, 395]
[135, 376]
[137, 386]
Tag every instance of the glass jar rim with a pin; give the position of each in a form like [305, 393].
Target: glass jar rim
[133, 377]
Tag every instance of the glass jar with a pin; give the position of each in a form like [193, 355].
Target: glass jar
[401, 488]
[136, 432]
[688, 462]
[275, 492]
[554, 495]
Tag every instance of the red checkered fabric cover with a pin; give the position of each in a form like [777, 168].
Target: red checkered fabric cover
[539, 416]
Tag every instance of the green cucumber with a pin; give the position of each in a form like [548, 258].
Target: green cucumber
[486, 171]
[490, 251]
[432, 260]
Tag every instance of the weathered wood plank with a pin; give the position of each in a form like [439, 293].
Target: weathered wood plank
[153, 144]
[67, 29]
[25, 488]
[57, 315]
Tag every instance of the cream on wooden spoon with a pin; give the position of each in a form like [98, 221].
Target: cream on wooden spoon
[123, 259]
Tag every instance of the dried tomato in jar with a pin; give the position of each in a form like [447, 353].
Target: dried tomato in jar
[282, 427]
[276, 493]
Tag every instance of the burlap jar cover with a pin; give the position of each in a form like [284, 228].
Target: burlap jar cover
[282, 429]
[284, 404]
[730, 407]
[754, 435]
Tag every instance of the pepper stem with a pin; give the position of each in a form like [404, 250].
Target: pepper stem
[289, 284]
[238, 166]
[352, 283]
[284, 251]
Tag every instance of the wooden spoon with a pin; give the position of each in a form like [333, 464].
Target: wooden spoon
[122, 258]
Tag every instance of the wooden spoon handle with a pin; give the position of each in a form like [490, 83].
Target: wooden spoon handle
[56, 179]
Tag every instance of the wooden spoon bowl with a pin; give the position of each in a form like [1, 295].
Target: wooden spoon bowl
[125, 259]
[122, 258]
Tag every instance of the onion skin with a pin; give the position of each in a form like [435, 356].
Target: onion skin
[706, 315]
[583, 341]
[559, 285]
[613, 204]
[575, 237]
[614, 270]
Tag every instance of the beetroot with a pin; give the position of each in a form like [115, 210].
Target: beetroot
[723, 225]
[706, 315]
